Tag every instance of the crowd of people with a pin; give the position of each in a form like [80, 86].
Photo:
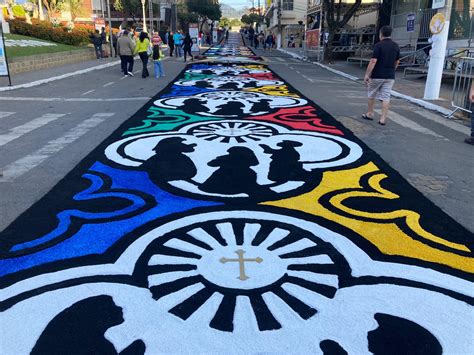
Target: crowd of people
[260, 40]
[127, 44]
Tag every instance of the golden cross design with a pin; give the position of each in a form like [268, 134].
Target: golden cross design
[241, 260]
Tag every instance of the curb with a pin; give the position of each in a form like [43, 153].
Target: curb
[419, 102]
[59, 77]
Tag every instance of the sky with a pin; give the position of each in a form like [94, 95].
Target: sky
[238, 4]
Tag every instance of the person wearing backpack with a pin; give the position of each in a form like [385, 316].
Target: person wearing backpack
[143, 50]
[157, 58]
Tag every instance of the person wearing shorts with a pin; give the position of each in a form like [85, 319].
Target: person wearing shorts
[380, 74]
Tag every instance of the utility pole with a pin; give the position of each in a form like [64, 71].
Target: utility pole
[110, 28]
[150, 15]
[144, 17]
[279, 24]
[437, 56]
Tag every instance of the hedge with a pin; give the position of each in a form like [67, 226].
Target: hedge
[45, 30]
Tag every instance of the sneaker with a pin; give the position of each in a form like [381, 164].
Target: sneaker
[469, 140]
[125, 75]
[130, 73]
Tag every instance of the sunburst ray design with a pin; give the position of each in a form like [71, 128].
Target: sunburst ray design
[179, 266]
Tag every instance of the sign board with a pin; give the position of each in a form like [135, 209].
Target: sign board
[312, 39]
[3, 58]
[411, 22]
[437, 23]
[99, 22]
[438, 4]
[193, 33]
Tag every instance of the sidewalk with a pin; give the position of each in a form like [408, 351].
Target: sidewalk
[40, 75]
[413, 87]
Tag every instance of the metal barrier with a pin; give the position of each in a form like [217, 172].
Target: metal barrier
[462, 85]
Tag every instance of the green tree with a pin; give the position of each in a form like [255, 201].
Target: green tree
[335, 20]
[185, 17]
[224, 22]
[205, 9]
[250, 19]
[53, 6]
[130, 8]
[75, 8]
[235, 22]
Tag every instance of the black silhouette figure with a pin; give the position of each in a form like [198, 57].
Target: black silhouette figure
[233, 108]
[230, 85]
[250, 84]
[261, 106]
[194, 105]
[169, 162]
[285, 165]
[80, 329]
[234, 175]
[202, 84]
[396, 335]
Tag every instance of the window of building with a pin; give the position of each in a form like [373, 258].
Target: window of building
[287, 5]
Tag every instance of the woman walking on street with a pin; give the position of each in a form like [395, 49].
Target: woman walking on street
[142, 49]
[157, 57]
[187, 44]
[171, 43]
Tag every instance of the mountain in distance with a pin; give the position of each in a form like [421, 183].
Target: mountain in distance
[230, 12]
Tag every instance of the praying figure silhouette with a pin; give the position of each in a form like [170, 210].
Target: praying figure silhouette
[285, 165]
[261, 106]
[230, 85]
[203, 84]
[234, 175]
[193, 106]
[169, 162]
[233, 108]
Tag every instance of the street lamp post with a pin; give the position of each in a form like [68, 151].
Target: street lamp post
[144, 18]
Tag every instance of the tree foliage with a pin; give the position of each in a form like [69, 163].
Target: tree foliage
[224, 22]
[250, 19]
[75, 8]
[335, 20]
[53, 7]
[130, 8]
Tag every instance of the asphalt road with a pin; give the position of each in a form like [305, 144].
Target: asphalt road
[46, 130]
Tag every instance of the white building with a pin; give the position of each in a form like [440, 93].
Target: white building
[292, 14]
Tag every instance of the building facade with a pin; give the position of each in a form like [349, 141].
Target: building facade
[291, 14]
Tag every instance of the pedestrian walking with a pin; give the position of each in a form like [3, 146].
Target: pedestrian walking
[103, 38]
[187, 45]
[157, 58]
[178, 42]
[269, 41]
[226, 36]
[200, 39]
[143, 50]
[126, 48]
[97, 42]
[114, 44]
[380, 74]
[470, 140]
[171, 43]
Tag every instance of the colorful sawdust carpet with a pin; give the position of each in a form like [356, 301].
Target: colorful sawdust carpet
[232, 215]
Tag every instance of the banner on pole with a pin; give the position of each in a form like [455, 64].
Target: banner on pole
[193, 33]
[312, 39]
[3, 57]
